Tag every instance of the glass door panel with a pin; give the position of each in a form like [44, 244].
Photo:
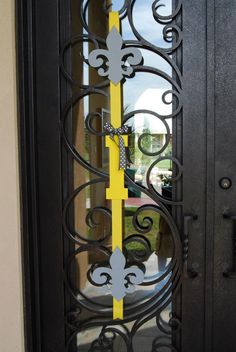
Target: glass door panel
[150, 104]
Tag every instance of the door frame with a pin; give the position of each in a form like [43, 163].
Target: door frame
[34, 68]
[42, 279]
[25, 82]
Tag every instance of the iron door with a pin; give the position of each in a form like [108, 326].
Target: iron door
[127, 137]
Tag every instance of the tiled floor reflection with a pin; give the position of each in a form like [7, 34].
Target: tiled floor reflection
[142, 341]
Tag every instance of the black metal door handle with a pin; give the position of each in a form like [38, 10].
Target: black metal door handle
[231, 273]
[188, 271]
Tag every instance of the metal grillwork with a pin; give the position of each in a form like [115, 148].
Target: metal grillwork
[90, 312]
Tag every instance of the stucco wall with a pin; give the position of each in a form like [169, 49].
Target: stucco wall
[11, 317]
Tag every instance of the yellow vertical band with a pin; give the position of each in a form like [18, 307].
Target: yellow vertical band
[117, 227]
[114, 20]
[116, 191]
[118, 308]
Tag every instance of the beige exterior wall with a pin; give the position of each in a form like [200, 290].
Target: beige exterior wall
[11, 312]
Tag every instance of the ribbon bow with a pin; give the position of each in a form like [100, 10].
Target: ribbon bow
[118, 132]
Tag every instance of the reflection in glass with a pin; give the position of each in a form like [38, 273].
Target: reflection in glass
[149, 238]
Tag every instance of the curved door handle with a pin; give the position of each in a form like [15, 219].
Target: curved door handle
[188, 271]
[231, 273]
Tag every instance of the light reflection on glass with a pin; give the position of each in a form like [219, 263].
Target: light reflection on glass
[143, 92]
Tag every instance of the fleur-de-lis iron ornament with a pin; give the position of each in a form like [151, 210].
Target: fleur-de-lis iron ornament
[121, 279]
[119, 61]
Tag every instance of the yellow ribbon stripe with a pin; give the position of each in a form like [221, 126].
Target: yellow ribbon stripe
[116, 191]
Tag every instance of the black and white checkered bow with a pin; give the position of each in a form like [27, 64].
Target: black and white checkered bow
[124, 163]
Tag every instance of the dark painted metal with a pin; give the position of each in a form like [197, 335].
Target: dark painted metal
[39, 111]
[47, 98]
[224, 303]
[203, 81]
[50, 190]
[188, 271]
[210, 176]
[194, 169]
[231, 272]
[28, 171]
[158, 301]
[177, 145]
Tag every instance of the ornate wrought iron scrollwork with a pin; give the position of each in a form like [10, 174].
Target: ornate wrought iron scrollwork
[118, 58]
[107, 337]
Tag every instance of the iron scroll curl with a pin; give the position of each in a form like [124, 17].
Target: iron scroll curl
[101, 314]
